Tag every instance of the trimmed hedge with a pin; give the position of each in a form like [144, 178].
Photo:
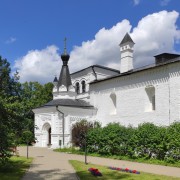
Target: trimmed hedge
[147, 141]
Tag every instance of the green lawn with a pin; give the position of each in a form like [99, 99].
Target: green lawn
[15, 168]
[83, 173]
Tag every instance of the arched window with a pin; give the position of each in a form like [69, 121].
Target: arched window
[151, 100]
[113, 103]
[83, 86]
[77, 88]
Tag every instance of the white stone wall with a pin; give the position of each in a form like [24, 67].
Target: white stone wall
[50, 117]
[88, 76]
[123, 99]
[131, 97]
[174, 92]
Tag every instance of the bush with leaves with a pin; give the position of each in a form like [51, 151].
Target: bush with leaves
[150, 141]
[173, 142]
[80, 131]
[147, 141]
[93, 139]
[113, 139]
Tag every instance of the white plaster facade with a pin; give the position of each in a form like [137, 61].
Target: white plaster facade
[89, 75]
[151, 94]
[133, 105]
[46, 118]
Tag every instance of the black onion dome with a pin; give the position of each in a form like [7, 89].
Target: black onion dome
[65, 58]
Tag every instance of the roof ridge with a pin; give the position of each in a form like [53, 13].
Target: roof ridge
[96, 65]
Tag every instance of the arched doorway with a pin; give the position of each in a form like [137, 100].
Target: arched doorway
[46, 135]
[49, 136]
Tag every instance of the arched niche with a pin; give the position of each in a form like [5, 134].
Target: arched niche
[113, 104]
[151, 99]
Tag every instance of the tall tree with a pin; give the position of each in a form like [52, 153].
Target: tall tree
[16, 103]
[33, 95]
[8, 115]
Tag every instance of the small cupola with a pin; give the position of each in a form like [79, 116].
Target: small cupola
[126, 49]
[64, 78]
[63, 86]
[55, 82]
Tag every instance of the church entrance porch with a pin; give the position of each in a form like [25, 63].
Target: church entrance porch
[46, 135]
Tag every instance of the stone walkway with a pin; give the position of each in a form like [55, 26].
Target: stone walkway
[53, 165]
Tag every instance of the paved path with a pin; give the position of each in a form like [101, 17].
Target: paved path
[48, 165]
[53, 165]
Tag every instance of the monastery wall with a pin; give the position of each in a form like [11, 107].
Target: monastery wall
[127, 99]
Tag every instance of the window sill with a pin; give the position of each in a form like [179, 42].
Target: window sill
[150, 111]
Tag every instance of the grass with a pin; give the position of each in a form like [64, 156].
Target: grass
[15, 168]
[72, 150]
[108, 174]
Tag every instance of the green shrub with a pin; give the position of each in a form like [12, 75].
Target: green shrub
[151, 141]
[173, 142]
[146, 141]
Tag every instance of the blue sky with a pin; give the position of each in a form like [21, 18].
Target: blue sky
[32, 33]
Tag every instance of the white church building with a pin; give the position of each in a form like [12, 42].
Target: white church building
[129, 96]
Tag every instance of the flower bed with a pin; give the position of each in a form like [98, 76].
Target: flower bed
[124, 170]
[95, 172]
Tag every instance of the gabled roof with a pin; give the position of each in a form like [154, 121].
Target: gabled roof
[98, 66]
[68, 102]
[127, 38]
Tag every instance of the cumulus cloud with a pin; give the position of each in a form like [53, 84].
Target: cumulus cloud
[102, 50]
[39, 65]
[154, 34]
[11, 40]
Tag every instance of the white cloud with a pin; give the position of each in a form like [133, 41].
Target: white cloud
[136, 2]
[101, 50]
[154, 34]
[39, 65]
[10, 40]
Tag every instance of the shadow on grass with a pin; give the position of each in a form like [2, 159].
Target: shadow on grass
[13, 166]
[49, 174]
[15, 170]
